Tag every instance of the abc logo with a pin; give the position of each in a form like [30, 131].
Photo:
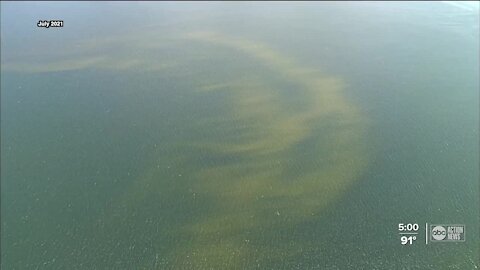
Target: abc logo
[439, 233]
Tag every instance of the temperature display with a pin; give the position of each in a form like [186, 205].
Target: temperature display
[407, 240]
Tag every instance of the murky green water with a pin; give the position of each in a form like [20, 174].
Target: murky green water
[238, 135]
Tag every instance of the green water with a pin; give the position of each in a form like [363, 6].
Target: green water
[238, 135]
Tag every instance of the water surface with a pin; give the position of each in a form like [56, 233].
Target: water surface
[238, 135]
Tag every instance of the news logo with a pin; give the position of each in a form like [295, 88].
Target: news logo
[447, 233]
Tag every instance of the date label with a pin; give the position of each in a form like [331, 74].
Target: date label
[50, 23]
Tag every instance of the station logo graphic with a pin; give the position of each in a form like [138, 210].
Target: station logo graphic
[447, 233]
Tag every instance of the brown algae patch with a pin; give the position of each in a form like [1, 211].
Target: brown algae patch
[253, 194]
[264, 164]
